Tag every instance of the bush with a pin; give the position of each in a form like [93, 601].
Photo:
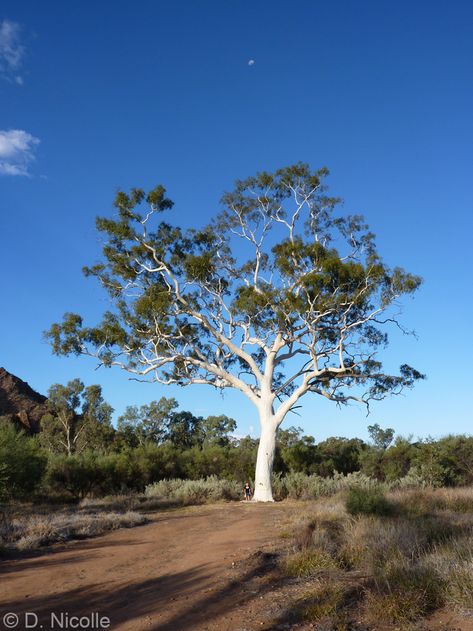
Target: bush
[76, 474]
[367, 502]
[279, 486]
[22, 462]
[210, 489]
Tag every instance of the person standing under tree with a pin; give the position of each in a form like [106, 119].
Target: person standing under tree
[247, 491]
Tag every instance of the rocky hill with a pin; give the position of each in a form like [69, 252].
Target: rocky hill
[19, 402]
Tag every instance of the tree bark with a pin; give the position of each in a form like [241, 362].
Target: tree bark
[265, 458]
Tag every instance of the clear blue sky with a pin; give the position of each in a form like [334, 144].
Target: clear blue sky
[105, 95]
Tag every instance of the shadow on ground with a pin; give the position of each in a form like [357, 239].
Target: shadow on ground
[154, 598]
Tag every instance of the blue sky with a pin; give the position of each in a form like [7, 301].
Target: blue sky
[97, 96]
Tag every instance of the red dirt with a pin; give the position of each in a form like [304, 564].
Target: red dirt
[180, 572]
[202, 568]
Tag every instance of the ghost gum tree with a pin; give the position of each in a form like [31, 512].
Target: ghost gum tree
[277, 297]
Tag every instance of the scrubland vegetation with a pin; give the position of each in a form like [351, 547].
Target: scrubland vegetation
[383, 532]
[389, 559]
[26, 532]
[83, 455]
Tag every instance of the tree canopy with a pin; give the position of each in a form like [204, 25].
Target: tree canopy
[278, 296]
[196, 307]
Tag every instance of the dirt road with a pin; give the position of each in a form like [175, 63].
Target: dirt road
[184, 571]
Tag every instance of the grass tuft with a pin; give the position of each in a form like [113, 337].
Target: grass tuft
[307, 563]
[361, 501]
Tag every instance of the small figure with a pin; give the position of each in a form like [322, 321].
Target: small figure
[247, 491]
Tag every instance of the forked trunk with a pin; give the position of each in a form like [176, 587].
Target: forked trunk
[265, 458]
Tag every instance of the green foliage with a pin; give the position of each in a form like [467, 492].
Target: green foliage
[367, 502]
[186, 302]
[159, 422]
[76, 474]
[78, 419]
[381, 438]
[339, 455]
[22, 463]
[448, 461]
[146, 423]
[307, 562]
[3, 481]
[215, 430]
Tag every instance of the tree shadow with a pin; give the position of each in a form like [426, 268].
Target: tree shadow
[81, 550]
[154, 598]
[121, 604]
[234, 594]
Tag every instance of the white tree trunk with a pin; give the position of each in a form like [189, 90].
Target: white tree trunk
[265, 458]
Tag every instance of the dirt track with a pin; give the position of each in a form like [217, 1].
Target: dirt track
[173, 574]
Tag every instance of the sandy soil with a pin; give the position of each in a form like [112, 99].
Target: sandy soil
[202, 568]
[187, 570]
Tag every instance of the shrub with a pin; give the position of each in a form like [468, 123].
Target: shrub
[195, 491]
[22, 462]
[76, 474]
[279, 486]
[367, 502]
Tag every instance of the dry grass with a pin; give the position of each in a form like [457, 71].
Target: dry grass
[307, 562]
[121, 503]
[409, 564]
[403, 592]
[324, 605]
[34, 531]
[454, 562]
[188, 492]
[421, 502]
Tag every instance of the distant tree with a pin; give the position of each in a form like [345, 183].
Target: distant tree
[277, 297]
[398, 458]
[290, 436]
[184, 429]
[148, 422]
[301, 455]
[381, 438]
[216, 430]
[341, 455]
[447, 461]
[78, 419]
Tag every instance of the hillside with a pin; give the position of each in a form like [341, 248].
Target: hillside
[19, 402]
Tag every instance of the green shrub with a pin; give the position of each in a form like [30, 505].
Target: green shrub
[22, 462]
[76, 474]
[3, 481]
[367, 502]
[279, 486]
